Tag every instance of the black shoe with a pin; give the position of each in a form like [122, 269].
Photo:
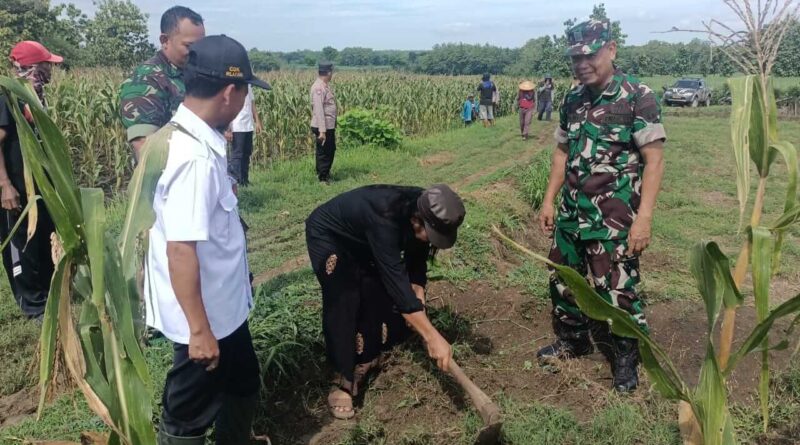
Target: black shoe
[565, 349]
[572, 342]
[625, 364]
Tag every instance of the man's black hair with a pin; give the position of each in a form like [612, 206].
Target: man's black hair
[486, 77]
[173, 16]
[203, 87]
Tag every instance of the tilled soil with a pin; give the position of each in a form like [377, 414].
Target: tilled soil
[503, 330]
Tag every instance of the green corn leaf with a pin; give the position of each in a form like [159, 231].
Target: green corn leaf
[139, 216]
[729, 433]
[741, 92]
[139, 408]
[49, 335]
[789, 153]
[711, 402]
[772, 115]
[757, 335]
[704, 269]
[788, 218]
[91, 338]
[120, 304]
[763, 127]
[59, 164]
[95, 216]
[711, 270]
[761, 259]
[113, 347]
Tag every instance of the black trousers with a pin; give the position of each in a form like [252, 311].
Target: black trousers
[545, 106]
[359, 319]
[194, 398]
[241, 150]
[325, 153]
[28, 263]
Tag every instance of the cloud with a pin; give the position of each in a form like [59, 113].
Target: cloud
[455, 28]
[417, 24]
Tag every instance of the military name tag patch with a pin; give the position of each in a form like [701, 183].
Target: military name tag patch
[617, 119]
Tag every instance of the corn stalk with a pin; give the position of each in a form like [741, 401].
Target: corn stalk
[754, 134]
[93, 299]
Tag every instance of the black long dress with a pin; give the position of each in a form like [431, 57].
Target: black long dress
[365, 256]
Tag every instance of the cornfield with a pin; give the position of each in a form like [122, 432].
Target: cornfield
[83, 104]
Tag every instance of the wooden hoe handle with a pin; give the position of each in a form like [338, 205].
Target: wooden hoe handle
[489, 412]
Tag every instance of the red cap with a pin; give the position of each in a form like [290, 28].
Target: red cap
[28, 52]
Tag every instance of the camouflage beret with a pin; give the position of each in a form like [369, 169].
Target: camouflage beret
[588, 37]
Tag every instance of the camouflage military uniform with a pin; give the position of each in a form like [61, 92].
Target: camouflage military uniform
[150, 97]
[602, 191]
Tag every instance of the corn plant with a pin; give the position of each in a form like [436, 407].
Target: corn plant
[704, 413]
[93, 299]
[84, 105]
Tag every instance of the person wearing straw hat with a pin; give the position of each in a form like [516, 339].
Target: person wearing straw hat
[526, 100]
[369, 249]
[28, 262]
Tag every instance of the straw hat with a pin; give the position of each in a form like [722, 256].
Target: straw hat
[526, 86]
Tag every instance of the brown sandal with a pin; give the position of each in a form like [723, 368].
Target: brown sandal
[340, 399]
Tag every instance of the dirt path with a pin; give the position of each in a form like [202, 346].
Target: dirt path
[288, 266]
[533, 146]
[17, 407]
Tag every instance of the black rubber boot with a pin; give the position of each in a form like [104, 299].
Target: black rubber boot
[571, 343]
[625, 365]
[602, 338]
[235, 420]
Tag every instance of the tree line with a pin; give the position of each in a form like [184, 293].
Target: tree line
[117, 36]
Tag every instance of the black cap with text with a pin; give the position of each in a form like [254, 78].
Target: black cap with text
[221, 57]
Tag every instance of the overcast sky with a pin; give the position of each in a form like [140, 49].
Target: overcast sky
[419, 24]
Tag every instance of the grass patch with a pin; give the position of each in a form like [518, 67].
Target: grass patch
[532, 179]
[538, 424]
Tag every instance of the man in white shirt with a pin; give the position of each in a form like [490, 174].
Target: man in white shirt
[197, 287]
[241, 137]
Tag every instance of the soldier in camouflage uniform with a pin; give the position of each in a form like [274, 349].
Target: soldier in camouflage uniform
[150, 97]
[608, 166]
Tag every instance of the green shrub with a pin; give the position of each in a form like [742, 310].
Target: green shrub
[364, 127]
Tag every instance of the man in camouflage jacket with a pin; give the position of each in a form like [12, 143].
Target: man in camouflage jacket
[150, 97]
[608, 166]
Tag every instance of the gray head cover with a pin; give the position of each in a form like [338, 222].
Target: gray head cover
[442, 212]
